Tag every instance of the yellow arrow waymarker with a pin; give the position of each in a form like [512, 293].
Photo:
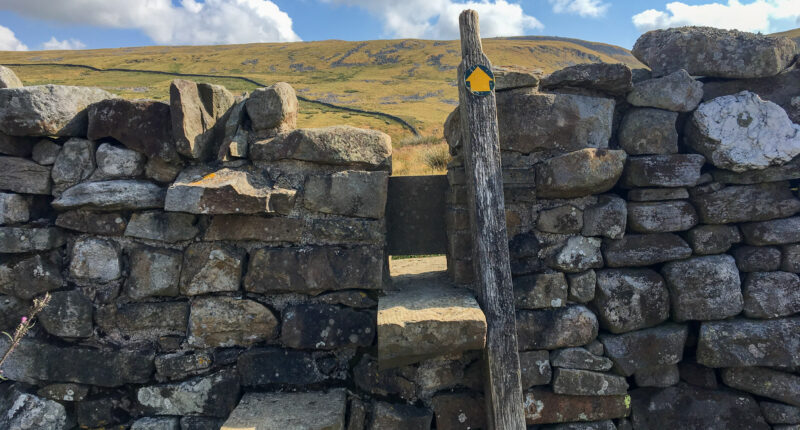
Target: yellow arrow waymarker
[480, 80]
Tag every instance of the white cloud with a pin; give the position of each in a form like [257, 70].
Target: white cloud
[66, 44]
[758, 15]
[191, 23]
[591, 8]
[438, 19]
[9, 42]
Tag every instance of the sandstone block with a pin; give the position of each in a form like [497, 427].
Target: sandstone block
[771, 294]
[194, 111]
[704, 288]
[556, 328]
[649, 131]
[644, 249]
[95, 260]
[9, 79]
[315, 410]
[739, 343]
[326, 327]
[209, 268]
[642, 349]
[543, 406]
[607, 218]
[115, 162]
[459, 410]
[273, 229]
[661, 217]
[109, 224]
[543, 290]
[676, 92]
[657, 194]
[75, 163]
[579, 173]
[790, 261]
[742, 203]
[214, 395]
[154, 272]
[162, 226]
[587, 383]
[657, 376]
[348, 193]
[565, 219]
[45, 152]
[613, 79]
[388, 416]
[273, 108]
[675, 170]
[225, 321]
[265, 366]
[630, 299]
[111, 196]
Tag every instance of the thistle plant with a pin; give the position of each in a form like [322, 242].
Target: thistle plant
[25, 325]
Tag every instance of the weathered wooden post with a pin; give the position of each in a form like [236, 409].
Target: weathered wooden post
[481, 143]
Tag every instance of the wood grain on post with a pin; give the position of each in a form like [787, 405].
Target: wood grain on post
[490, 259]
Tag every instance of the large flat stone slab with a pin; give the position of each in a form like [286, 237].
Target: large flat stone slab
[283, 411]
[419, 323]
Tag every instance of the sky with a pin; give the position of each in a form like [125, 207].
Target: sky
[93, 24]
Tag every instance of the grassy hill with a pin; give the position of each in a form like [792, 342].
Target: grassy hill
[792, 34]
[412, 79]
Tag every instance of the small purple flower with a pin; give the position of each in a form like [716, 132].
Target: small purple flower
[24, 320]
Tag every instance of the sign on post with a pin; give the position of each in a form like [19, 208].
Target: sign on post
[481, 143]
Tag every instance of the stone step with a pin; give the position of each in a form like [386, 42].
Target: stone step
[425, 317]
[283, 411]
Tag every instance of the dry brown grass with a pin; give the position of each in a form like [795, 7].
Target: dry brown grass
[421, 159]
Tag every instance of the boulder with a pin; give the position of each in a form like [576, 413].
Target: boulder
[579, 358]
[657, 376]
[542, 290]
[530, 121]
[210, 267]
[349, 193]
[162, 226]
[675, 170]
[587, 383]
[676, 92]
[69, 314]
[643, 349]
[661, 217]
[115, 162]
[775, 232]
[214, 395]
[28, 277]
[579, 173]
[757, 258]
[542, 406]
[630, 299]
[704, 288]
[555, 328]
[780, 89]
[781, 386]
[74, 164]
[265, 366]
[771, 294]
[684, 406]
[314, 270]
[9, 79]
[565, 219]
[144, 126]
[581, 286]
[112, 195]
[19, 175]
[224, 321]
[22, 410]
[338, 145]
[325, 327]
[713, 239]
[513, 77]
[614, 79]
[743, 203]
[315, 410]
[227, 191]
[657, 194]
[706, 51]
[194, 111]
[273, 108]
[649, 131]
[644, 249]
[45, 152]
[577, 255]
[154, 272]
[14, 208]
[535, 368]
[742, 132]
[48, 110]
[95, 260]
[607, 218]
[740, 342]
[17, 240]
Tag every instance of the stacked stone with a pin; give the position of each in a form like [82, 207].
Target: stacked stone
[653, 234]
[194, 251]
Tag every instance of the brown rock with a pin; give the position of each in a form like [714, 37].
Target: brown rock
[580, 173]
[24, 176]
[543, 407]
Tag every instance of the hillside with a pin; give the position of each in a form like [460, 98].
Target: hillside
[792, 34]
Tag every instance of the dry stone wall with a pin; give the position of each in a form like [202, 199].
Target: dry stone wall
[653, 228]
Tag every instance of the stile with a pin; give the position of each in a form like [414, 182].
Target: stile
[490, 243]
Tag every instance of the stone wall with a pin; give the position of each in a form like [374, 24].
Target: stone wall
[654, 233]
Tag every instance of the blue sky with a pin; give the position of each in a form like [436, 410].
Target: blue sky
[71, 24]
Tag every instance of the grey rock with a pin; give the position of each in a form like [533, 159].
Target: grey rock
[577, 255]
[112, 224]
[114, 162]
[582, 286]
[649, 131]
[713, 239]
[340, 145]
[676, 92]
[579, 173]
[95, 260]
[162, 226]
[613, 79]
[742, 203]
[12, 310]
[14, 208]
[757, 258]
[225, 321]
[75, 163]
[791, 258]
[543, 290]
[272, 229]
[779, 89]
[201, 423]
[565, 219]
[210, 267]
[775, 232]
[779, 413]
[630, 299]
[9, 79]
[19, 175]
[657, 376]
[555, 328]
[69, 314]
[587, 383]
[642, 349]
[704, 288]
[513, 77]
[111, 196]
[64, 392]
[349, 193]
[194, 110]
[739, 342]
[17, 146]
[103, 411]
[535, 368]
[265, 366]
[771, 294]
[30, 276]
[214, 395]
[350, 298]
[273, 108]
[156, 423]
[781, 386]
[47, 110]
[326, 327]
[706, 51]
[607, 218]
[594, 425]
[154, 272]
[369, 378]
[315, 410]
[180, 365]
[579, 358]
[675, 170]
[161, 171]
[657, 194]
[388, 416]
[144, 321]
[661, 217]
[698, 375]
[15, 240]
[742, 132]
[144, 126]
[236, 141]
[782, 172]
[459, 410]
[644, 249]
[27, 411]
[45, 152]
[543, 406]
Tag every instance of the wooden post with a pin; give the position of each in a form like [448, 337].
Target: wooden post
[481, 144]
